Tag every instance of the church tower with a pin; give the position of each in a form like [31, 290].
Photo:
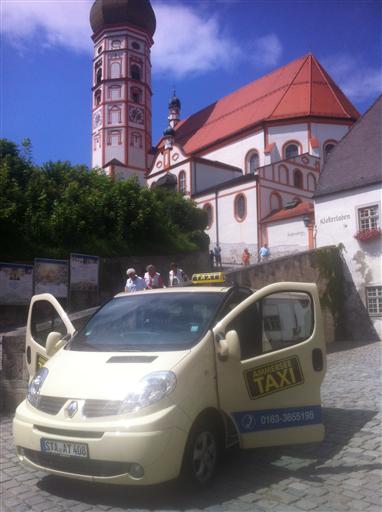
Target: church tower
[121, 104]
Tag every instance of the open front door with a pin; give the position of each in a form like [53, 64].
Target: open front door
[270, 357]
[45, 316]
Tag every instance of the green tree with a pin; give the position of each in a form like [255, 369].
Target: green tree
[54, 209]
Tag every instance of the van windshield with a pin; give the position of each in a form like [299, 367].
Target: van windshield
[149, 322]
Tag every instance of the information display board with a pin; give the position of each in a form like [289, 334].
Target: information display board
[84, 271]
[51, 276]
[16, 284]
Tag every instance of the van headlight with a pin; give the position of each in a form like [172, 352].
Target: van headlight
[33, 393]
[152, 388]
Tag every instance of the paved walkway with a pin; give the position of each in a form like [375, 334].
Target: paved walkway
[343, 473]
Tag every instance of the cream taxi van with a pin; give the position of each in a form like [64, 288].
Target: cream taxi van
[158, 383]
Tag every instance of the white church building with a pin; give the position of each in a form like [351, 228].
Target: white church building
[251, 159]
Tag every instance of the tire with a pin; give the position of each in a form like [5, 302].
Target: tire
[202, 455]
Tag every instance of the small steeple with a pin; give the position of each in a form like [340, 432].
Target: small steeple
[173, 111]
[169, 134]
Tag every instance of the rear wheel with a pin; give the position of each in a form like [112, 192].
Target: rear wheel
[202, 454]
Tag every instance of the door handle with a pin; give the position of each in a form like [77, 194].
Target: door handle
[317, 359]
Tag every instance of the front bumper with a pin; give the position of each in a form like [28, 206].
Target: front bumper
[114, 444]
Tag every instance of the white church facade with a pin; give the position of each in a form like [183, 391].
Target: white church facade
[252, 159]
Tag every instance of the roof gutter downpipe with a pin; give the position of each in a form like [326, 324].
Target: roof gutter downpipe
[217, 216]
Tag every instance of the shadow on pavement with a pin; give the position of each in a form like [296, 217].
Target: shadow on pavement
[241, 472]
[340, 346]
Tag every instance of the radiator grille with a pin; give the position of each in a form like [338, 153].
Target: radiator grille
[92, 408]
[51, 404]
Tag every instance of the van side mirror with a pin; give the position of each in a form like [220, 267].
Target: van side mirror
[229, 346]
[233, 343]
[52, 343]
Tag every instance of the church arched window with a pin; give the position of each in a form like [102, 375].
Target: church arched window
[114, 138]
[275, 202]
[182, 182]
[114, 115]
[114, 92]
[291, 149]
[99, 76]
[253, 162]
[97, 98]
[297, 178]
[240, 207]
[135, 72]
[136, 94]
[115, 70]
[136, 140]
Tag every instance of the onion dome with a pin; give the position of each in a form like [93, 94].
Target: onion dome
[169, 132]
[174, 102]
[106, 13]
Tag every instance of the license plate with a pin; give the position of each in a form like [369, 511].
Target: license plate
[65, 448]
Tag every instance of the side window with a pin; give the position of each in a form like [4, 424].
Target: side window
[287, 319]
[279, 320]
[44, 320]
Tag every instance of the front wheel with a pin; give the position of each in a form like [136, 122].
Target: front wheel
[201, 455]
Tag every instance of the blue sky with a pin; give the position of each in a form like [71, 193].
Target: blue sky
[206, 49]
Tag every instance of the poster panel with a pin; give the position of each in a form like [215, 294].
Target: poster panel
[51, 276]
[84, 272]
[16, 284]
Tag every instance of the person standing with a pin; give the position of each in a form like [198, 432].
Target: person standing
[211, 258]
[134, 283]
[264, 253]
[245, 258]
[152, 278]
[177, 277]
[217, 254]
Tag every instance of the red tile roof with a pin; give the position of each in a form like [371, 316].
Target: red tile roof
[302, 88]
[287, 213]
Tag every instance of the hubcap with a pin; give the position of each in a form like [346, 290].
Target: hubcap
[204, 456]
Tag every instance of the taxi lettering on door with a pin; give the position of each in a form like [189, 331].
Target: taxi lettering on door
[270, 378]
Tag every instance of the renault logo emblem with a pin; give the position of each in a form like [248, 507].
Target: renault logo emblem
[72, 408]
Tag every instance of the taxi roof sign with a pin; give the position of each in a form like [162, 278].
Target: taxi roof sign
[208, 278]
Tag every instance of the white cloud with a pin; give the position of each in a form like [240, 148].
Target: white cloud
[358, 81]
[194, 43]
[47, 23]
[188, 40]
[266, 51]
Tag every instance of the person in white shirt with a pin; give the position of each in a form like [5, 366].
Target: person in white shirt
[152, 278]
[134, 283]
[177, 277]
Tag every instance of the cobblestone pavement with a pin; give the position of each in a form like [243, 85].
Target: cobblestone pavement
[343, 473]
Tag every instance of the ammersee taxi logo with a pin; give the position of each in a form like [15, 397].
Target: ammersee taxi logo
[274, 377]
